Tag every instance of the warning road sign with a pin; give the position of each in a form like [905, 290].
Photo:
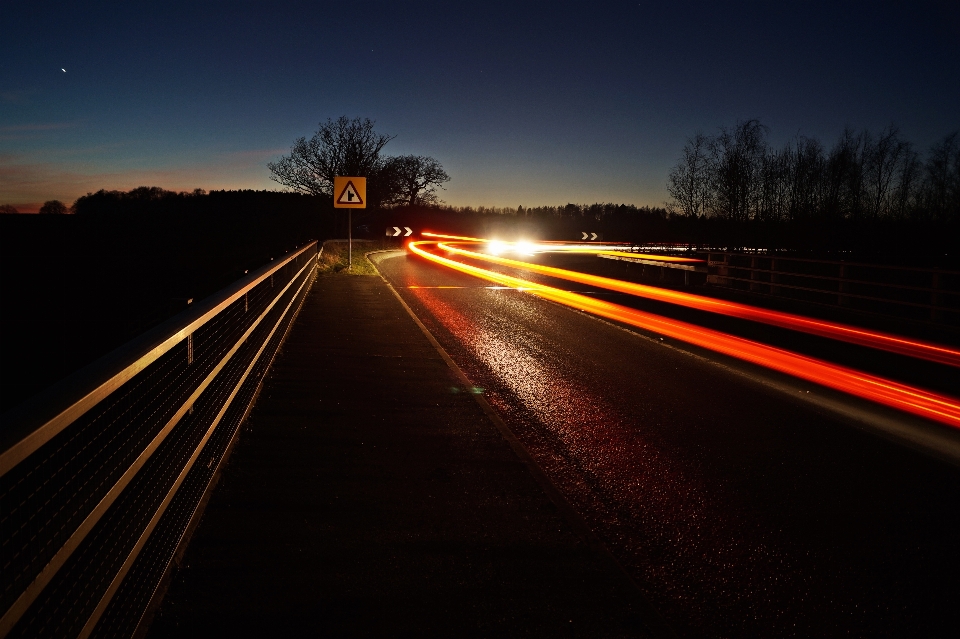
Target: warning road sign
[350, 192]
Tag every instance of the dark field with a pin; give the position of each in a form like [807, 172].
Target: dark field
[74, 288]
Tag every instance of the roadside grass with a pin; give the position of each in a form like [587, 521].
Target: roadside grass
[333, 261]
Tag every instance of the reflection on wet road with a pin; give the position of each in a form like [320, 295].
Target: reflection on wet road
[741, 512]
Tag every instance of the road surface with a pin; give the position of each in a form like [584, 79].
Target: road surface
[742, 500]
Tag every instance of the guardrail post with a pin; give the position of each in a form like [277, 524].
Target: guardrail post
[716, 262]
[774, 278]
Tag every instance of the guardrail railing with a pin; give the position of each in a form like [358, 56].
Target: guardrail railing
[660, 268]
[931, 295]
[101, 476]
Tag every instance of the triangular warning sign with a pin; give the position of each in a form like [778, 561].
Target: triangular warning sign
[349, 195]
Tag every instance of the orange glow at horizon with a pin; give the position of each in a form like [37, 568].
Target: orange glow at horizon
[940, 408]
[833, 330]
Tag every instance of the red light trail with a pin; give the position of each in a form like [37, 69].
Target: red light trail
[940, 408]
[851, 334]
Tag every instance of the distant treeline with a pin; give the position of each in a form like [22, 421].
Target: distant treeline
[736, 175]
[249, 222]
[145, 201]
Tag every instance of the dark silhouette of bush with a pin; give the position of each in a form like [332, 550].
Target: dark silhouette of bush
[54, 207]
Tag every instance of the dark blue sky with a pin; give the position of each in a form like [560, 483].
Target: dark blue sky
[522, 102]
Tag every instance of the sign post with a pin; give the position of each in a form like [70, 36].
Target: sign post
[349, 193]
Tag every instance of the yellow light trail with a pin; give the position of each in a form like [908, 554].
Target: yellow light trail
[833, 330]
[547, 247]
[940, 408]
[649, 256]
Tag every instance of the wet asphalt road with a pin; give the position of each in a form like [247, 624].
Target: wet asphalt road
[742, 511]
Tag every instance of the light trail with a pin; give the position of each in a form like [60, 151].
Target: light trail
[649, 256]
[452, 237]
[607, 250]
[549, 247]
[833, 330]
[940, 408]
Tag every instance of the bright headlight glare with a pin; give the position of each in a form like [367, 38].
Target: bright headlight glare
[496, 247]
[525, 248]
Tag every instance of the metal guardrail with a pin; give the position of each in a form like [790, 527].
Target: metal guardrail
[660, 267]
[931, 295]
[101, 476]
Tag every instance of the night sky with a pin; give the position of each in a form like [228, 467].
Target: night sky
[524, 103]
